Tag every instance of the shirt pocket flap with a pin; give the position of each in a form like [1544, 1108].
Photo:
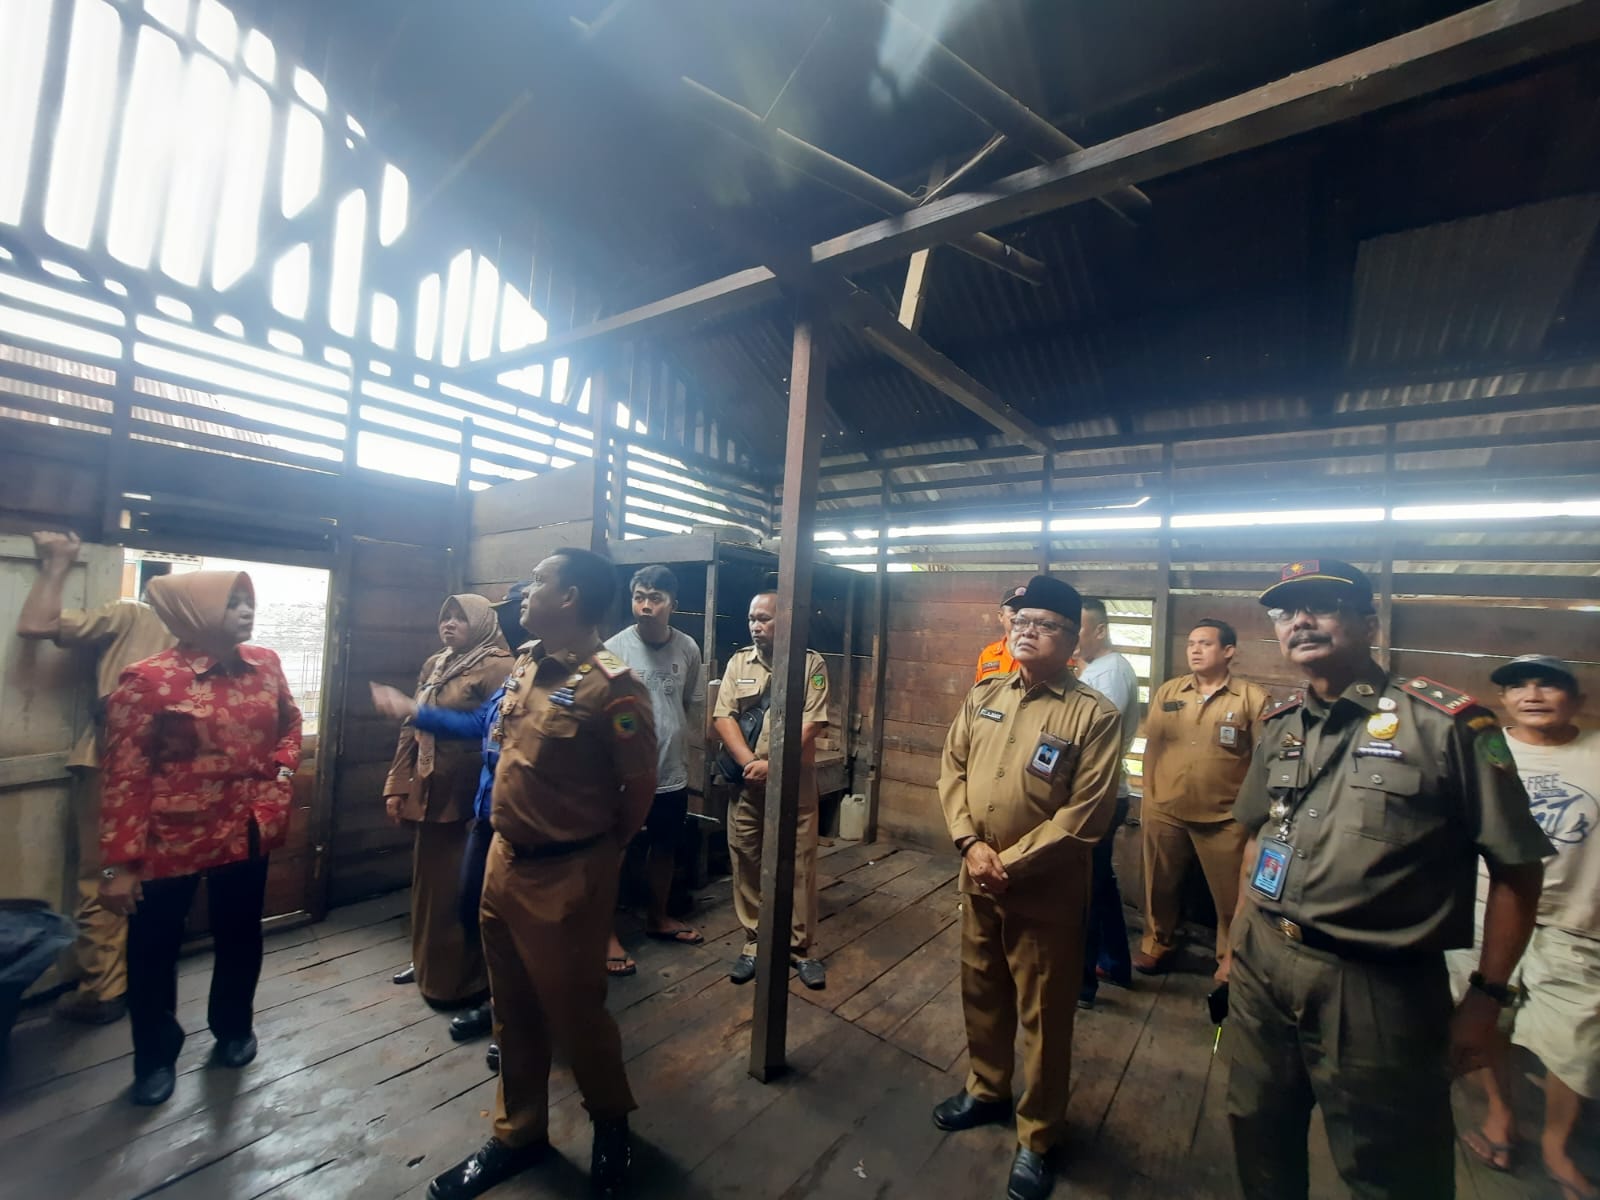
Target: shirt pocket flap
[1394, 778]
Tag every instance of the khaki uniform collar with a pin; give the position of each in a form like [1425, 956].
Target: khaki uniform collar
[568, 658]
[1364, 692]
[1191, 683]
[1060, 684]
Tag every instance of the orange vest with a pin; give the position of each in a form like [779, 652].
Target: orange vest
[995, 660]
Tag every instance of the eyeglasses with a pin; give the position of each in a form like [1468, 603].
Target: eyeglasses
[1316, 609]
[1024, 624]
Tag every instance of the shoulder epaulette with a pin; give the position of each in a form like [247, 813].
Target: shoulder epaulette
[991, 677]
[1437, 695]
[610, 665]
[1283, 706]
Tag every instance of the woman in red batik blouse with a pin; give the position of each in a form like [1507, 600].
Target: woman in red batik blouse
[201, 744]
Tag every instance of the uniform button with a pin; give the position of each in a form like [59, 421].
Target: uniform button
[1299, 853]
[1311, 812]
[1009, 740]
[1377, 779]
[991, 808]
[998, 774]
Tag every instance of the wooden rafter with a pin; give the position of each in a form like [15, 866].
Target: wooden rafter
[1488, 38]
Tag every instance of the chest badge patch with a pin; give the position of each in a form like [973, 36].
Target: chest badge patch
[1383, 726]
[991, 714]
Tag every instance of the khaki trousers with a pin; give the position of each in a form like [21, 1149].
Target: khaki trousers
[449, 967]
[1169, 846]
[746, 833]
[101, 952]
[1021, 970]
[1367, 1042]
[545, 925]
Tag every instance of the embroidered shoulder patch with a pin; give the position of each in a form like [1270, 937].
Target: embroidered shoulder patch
[1437, 695]
[610, 665]
[625, 724]
[819, 681]
[1491, 748]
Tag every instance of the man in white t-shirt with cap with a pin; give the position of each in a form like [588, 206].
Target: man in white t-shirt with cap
[1560, 1019]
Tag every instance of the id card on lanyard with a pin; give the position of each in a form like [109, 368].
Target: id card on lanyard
[1270, 874]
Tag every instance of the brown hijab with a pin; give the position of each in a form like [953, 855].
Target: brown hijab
[194, 604]
[484, 628]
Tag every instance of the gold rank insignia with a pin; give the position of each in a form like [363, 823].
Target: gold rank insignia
[1383, 725]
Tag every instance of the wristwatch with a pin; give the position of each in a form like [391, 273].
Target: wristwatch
[967, 843]
[1502, 994]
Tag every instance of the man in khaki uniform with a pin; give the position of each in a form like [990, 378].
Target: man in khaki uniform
[576, 777]
[1029, 786]
[1198, 737]
[1367, 805]
[747, 684]
[120, 633]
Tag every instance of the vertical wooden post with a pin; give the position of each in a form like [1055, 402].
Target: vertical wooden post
[802, 457]
[619, 488]
[601, 424]
[1047, 485]
[462, 550]
[708, 655]
[1161, 609]
[880, 662]
[847, 672]
[1386, 558]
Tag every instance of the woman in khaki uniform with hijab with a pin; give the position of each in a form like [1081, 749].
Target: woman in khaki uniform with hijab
[431, 787]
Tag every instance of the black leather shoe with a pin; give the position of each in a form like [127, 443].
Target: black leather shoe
[83, 1008]
[493, 1164]
[608, 1164]
[811, 972]
[1030, 1177]
[409, 975]
[743, 969]
[234, 1052]
[964, 1111]
[472, 1024]
[154, 1088]
[491, 1057]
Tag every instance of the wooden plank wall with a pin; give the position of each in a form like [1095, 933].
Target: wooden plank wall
[514, 525]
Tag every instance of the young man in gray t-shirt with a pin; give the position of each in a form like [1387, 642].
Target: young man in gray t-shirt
[668, 662]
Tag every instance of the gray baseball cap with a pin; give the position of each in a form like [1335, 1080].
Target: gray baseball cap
[1544, 666]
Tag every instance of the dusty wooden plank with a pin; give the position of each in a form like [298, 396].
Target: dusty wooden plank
[879, 871]
[897, 994]
[936, 1032]
[938, 872]
[835, 932]
[858, 963]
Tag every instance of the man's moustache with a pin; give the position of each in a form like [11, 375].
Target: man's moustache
[1306, 639]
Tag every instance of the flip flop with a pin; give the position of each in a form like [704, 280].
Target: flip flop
[683, 937]
[629, 967]
[1477, 1144]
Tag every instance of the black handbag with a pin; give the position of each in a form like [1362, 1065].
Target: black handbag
[750, 722]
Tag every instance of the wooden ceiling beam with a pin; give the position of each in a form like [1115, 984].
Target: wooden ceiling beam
[1479, 41]
[784, 147]
[1003, 112]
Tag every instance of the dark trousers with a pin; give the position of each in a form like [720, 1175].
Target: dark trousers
[236, 894]
[1368, 1043]
[1106, 942]
[480, 836]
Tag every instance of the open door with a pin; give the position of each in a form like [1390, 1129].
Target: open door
[46, 696]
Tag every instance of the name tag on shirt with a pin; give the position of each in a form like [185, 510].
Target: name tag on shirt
[1228, 736]
[1171, 705]
[1379, 750]
[1272, 868]
[991, 714]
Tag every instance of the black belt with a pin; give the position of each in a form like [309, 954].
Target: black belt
[1305, 935]
[552, 849]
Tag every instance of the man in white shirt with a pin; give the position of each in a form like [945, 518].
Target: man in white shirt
[1105, 952]
[667, 661]
[1560, 1019]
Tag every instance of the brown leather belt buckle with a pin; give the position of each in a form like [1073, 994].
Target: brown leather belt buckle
[1289, 929]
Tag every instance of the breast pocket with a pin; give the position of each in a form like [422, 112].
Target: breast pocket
[746, 696]
[1391, 803]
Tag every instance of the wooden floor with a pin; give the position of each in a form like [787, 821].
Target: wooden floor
[359, 1091]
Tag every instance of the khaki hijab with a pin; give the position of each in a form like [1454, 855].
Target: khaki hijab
[194, 604]
[483, 627]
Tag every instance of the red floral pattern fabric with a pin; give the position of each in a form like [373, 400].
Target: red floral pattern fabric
[192, 753]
